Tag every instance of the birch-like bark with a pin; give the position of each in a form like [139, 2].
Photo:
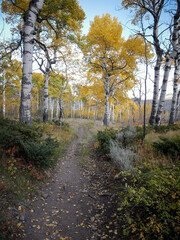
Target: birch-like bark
[106, 120]
[177, 105]
[175, 89]
[30, 18]
[168, 64]
[157, 68]
[57, 108]
[113, 113]
[52, 107]
[4, 95]
[46, 84]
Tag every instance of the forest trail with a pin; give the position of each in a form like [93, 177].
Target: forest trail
[72, 204]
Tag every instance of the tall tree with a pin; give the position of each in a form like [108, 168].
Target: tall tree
[172, 56]
[175, 90]
[111, 56]
[154, 9]
[30, 18]
[10, 75]
[54, 18]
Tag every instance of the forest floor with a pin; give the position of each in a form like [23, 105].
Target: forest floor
[78, 200]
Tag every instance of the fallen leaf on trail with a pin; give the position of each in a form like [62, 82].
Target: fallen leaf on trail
[38, 227]
[19, 224]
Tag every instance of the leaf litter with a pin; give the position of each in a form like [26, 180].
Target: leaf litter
[76, 203]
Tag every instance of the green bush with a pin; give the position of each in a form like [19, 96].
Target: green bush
[29, 143]
[104, 137]
[148, 204]
[15, 129]
[41, 155]
[169, 147]
[157, 129]
[166, 128]
[140, 131]
[65, 126]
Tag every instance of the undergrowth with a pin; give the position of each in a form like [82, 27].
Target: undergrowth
[149, 190]
[26, 152]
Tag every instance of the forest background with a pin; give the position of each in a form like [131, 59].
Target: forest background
[72, 92]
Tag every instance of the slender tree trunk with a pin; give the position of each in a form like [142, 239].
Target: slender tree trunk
[52, 107]
[159, 53]
[120, 115]
[113, 113]
[163, 90]
[175, 43]
[156, 89]
[57, 108]
[106, 120]
[60, 111]
[45, 102]
[30, 18]
[175, 90]
[4, 95]
[177, 105]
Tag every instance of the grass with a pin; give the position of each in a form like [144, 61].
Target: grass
[154, 137]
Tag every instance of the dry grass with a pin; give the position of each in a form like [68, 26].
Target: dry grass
[154, 137]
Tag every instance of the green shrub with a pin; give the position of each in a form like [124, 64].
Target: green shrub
[148, 204]
[104, 137]
[166, 128]
[29, 143]
[169, 147]
[40, 154]
[65, 126]
[15, 129]
[140, 131]
[157, 129]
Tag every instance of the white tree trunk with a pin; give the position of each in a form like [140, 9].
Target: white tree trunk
[52, 107]
[175, 89]
[177, 105]
[30, 18]
[175, 43]
[57, 108]
[156, 89]
[106, 120]
[4, 95]
[113, 113]
[159, 53]
[46, 85]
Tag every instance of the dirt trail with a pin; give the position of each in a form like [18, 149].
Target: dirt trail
[65, 207]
